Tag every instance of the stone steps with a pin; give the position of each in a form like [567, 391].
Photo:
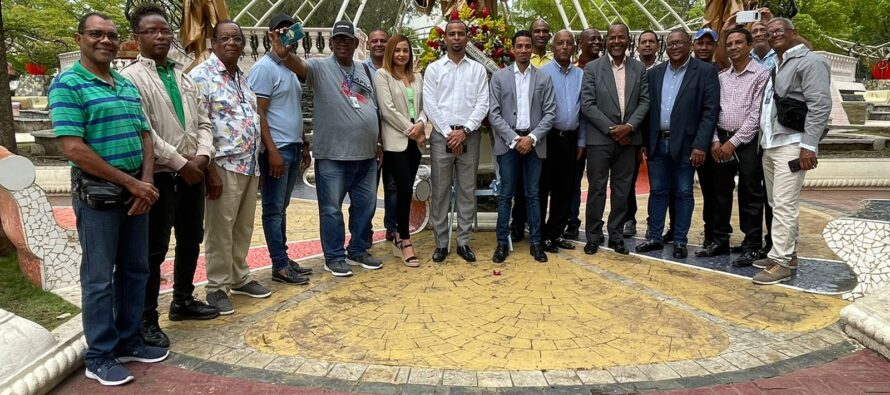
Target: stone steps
[26, 125]
[879, 115]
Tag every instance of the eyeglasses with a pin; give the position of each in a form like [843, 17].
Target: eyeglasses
[235, 39]
[342, 40]
[155, 32]
[99, 35]
[776, 33]
[677, 44]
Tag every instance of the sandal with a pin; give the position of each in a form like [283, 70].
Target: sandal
[410, 261]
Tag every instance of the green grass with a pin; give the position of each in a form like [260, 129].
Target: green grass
[19, 296]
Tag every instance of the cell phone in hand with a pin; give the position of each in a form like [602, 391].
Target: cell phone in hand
[794, 165]
[747, 16]
[293, 34]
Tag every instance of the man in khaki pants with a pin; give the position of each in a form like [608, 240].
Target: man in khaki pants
[232, 178]
[789, 147]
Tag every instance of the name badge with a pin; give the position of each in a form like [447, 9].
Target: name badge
[355, 104]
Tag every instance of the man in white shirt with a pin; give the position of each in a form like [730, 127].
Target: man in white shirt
[522, 110]
[455, 96]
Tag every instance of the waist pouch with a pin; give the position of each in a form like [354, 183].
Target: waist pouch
[791, 113]
[98, 193]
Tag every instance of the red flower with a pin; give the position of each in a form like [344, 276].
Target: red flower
[485, 12]
[440, 30]
[479, 45]
[473, 30]
[511, 55]
[433, 44]
[474, 5]
[498, 52]
[485, 28]
[455, 15]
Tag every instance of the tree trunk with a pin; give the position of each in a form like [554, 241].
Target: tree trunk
[7, 129]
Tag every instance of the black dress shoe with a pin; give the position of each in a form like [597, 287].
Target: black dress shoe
[191, 309]
[649, 246]
[571, 232]
[152, 334]
[713, 249]
[680, 251]
[764, 252]
[439, 254]
[669, 236]
[517, 234]
[629, 229]
[747, 259]
[466, 253]
[591, 248]
[563, 243]
[537, 251]
[305, 271]
[737, 249]
[619, 247]
[500, 253]
[550, 247]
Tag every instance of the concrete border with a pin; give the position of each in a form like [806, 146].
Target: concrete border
[47, 371]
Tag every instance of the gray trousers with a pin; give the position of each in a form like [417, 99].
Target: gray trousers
[612, 164]
[462, 169]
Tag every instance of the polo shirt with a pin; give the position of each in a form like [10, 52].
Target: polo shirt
[270, 79]
[166, 72]
[108, 118]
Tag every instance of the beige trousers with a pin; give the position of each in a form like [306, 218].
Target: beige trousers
[229, 224]
[783, 192]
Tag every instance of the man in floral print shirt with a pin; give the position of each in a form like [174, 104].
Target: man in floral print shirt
[233, 176]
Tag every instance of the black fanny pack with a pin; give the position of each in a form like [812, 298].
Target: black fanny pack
[98, 193]
[791, 113]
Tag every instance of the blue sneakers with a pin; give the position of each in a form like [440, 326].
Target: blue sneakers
[143, 353]
[108, 371]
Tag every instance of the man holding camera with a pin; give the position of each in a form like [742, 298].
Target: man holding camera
[794, 117]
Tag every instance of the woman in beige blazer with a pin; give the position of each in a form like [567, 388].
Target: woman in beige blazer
[398, 90]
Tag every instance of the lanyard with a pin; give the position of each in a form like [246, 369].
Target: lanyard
[349, 78]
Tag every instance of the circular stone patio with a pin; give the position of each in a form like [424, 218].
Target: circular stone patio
[605, 321]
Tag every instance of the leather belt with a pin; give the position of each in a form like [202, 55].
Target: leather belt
[523, 132]
[665, 134]
[725, 132]
[456, 127]
[563, 133]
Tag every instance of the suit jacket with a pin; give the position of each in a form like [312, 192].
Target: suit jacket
[502, 108]
[599, 100]
[695, 111]
[393, 105]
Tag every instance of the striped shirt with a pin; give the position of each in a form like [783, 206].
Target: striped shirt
[108, 118]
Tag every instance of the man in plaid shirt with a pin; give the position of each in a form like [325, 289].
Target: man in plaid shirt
[735, 152]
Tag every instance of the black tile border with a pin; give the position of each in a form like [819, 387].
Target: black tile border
[779, 368]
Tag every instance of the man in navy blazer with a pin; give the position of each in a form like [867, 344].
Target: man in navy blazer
[676, 142]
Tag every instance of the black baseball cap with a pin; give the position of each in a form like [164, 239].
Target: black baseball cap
[278, 19]
[343, 28]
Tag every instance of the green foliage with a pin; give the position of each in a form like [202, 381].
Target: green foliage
[377, 13]
[20, 297]
[526, 11]
[38, 30]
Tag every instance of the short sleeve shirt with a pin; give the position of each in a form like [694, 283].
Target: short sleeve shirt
[108, 118]
[345, 111]
[270, 79]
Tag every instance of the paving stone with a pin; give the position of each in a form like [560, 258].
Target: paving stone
[687, 368]
[528, 378]
[460, 378]
[314, 367]
[659, 372]
[562, 377]
[425, 376]
[716, 365]
[380, 373]
[493, 379]
[256, 360]
[742, 359]
[376, 388]
[599, 376]
[230, 356]
[790, 349]
[402, 375]
[627, 374]
[285, 364]
[347, 371]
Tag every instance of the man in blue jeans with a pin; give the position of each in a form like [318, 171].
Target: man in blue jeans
[286, 156]
[677, 141]
[344, 146]
[112, 192]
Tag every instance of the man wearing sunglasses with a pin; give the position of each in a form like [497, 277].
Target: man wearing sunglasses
[98, 118]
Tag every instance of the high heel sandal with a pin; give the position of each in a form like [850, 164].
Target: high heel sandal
[410, 261]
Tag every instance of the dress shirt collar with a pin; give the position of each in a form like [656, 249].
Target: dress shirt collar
[462, 60]
[681, 68]
[564, 70]
[220, 67]
[527, 69]
[612, 62]
[749, 68]
[768, 55]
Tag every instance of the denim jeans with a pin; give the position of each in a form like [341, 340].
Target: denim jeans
[511, 165]
[333, 180]
[665, 175]
[276, 194]
[113, 274]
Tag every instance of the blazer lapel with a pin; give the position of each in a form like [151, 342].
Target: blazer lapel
[609, 79]
[531, 84]
[630, 77]
[691, 72]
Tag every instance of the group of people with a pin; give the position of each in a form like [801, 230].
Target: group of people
[156, 151]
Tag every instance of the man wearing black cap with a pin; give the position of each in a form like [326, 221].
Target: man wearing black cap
[286, 155]
[344, 145]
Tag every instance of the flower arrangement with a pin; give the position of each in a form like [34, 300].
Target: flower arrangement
[489, 35]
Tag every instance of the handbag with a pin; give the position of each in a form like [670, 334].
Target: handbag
[791, 113]
[98, 193]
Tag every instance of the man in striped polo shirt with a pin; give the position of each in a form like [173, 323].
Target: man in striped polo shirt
[97, 116]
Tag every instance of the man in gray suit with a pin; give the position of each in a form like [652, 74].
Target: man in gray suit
[614, 101]
[521, 112]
